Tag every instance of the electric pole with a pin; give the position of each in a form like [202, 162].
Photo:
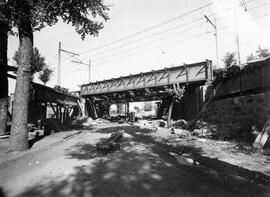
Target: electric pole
[243, 4]
[214, 25]
[89, 67]
[89, 71]
[59, 65]
[59, 62]
[237, 36]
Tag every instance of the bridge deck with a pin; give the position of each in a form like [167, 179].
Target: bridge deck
[187, 73]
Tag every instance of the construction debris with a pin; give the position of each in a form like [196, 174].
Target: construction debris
[151, 124]
[110, 144]
[184, 159]
[180, 124]
[181, 133]
[263, 136]
[203, 129]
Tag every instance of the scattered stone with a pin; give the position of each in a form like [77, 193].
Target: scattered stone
[202, 140]
[182, 133]
[184, 160]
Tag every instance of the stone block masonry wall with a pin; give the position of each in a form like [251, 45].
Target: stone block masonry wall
[240, 113]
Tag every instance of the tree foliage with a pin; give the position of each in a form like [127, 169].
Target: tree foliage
[148, 106]
[28, 16]
[262, 53]
[37, 61]
[251, 57]
[229, 59]
[45, 75]
[175, 94]
[79, 14]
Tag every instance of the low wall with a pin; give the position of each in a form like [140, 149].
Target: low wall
[243, 99]
[241, 112]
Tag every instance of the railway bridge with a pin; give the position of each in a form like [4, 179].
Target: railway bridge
[147, 86]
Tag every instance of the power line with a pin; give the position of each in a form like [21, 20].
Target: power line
[162, 38]
[167, 44]
[146, 37]
[150, 28]
[164, 31]
[170, 43]
[155, 26]
[190, 22]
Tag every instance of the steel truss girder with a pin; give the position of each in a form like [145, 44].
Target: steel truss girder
[187, 73]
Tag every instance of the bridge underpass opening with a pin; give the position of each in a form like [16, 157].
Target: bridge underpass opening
[140, 109]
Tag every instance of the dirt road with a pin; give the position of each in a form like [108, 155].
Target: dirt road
[142, 167]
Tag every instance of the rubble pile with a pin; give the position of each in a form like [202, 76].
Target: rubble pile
[88, 122]
[181, 133]
[151, 124]
[180, 124]
[203, 129]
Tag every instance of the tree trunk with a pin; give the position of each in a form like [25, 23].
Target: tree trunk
[3, 73]
[19, 132]
[170, 113]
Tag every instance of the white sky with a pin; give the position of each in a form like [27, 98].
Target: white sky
[166, 45]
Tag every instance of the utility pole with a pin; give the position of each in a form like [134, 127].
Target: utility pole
[214, 25]
[59, 65]
[59, 62]
[237, 36]
[89, 67]
[243, 4]
[89, 71]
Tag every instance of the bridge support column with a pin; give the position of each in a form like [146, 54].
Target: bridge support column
[90, 108]
[61, 115]
[127, 109]
[169, 116]
[45, 110]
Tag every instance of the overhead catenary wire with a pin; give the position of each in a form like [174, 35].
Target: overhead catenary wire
[171, 43]
[155, 26]
[150, 28]
[160, 24]
[165, 31]
[166, 44]
[162, 38]
[174, 28]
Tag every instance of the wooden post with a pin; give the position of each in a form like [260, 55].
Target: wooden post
[127, 108]
[64, 114]
[263, 136]
[170, 113]
[61, 115]
[45, 110]
[57, 112]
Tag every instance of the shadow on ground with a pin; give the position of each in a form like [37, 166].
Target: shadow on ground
[2, 193]
[143, 167]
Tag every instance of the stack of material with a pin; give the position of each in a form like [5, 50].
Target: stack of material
[110, 144]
